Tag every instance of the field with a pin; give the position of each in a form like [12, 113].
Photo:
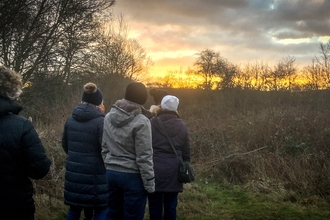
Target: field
[257, 155]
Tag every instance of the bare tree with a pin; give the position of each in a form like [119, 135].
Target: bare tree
[227, 73]
[314, 76]
[205, 66]
[318, 73]
[209, 64]
[41, 37]
[324, 62]
[282, 75]
[115, 53]
[253, 76]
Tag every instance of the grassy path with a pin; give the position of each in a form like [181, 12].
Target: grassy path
[202, 201]
[211, 201]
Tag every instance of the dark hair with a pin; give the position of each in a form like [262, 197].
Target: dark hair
[158, 95]
[136, 92]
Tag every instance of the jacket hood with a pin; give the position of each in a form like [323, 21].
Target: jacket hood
[85, 112]
[9, 106]
[124, 111]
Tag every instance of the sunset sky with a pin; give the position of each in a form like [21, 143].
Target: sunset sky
[243, 31]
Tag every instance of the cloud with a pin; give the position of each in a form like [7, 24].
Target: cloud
[241, 30]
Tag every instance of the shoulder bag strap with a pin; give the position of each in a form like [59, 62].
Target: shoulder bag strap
[166, 134]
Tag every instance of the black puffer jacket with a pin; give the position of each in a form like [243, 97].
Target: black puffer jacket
[85, 178]
[22, 156]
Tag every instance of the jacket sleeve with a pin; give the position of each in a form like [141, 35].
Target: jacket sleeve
[105, 137]
[65, 140]
[144, 155]
[36, 161]
[100, 130]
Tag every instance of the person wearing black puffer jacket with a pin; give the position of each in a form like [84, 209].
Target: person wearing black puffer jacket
[85, 178]
[22, 155]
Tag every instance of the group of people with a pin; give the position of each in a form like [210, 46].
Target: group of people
[117, 162]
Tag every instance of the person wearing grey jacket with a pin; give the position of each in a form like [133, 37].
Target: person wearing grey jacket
[128, 155]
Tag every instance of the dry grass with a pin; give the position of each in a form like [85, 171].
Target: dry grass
[269, 142]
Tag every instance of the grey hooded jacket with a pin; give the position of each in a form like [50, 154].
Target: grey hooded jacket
[127, 144]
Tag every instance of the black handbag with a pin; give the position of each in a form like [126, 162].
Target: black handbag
[186, 170]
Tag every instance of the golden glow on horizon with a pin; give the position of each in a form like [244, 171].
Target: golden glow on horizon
[177, 80]
[158, 71]
[183, 80]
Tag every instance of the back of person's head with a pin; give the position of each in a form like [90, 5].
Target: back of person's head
[170, 103]
[136, 92]
[158, 95]
[10, 83]
[92, 94]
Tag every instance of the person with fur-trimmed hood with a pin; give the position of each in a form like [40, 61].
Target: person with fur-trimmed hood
[158, 95]
[163, 202]
[127, 154]
[22, 155]
[85, 180]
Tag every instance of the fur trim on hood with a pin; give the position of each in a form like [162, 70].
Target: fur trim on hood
[10, 83]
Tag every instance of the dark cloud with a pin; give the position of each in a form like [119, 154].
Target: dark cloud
[304, 10]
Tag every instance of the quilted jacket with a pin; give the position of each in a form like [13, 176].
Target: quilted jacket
[22, 156]
[85, 178]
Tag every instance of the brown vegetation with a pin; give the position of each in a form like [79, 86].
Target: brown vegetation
[264, 141]
[268, 140]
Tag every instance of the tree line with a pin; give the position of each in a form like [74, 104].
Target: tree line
[218, 73]
[66, 42]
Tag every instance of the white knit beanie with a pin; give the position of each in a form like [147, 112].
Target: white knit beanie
[170, 103]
